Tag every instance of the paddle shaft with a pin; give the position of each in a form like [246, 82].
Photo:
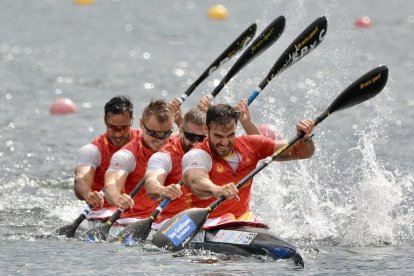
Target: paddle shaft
[308, 40]
[260, 44]
[70, 229]
[162, 205]
[85, 212]
[241, 42]
[118, 211]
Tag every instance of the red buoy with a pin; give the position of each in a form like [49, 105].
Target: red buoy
[62, 106]
[362, 22]
[270, 132]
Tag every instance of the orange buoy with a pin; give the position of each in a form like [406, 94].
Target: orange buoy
[362, 22]
[270, 132]
[62, 106]
[218, 12]
[84, 2]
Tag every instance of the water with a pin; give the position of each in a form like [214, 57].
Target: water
[348, 209]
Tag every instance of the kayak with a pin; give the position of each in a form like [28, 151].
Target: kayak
[245, 241]
[227, 236]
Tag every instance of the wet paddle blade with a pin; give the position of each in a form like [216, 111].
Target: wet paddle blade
[70, 229]
[362, 89]
[180, 229]
[98, 234]
[135, 233]
[67, 230]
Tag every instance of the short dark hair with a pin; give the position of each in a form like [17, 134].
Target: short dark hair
[221, 114]
[119, 105]
[159, 108]
[195, 116]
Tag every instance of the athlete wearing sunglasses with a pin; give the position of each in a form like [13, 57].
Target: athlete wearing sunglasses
[95, 157]
[128, 165]
[193, 137]
[161, 135]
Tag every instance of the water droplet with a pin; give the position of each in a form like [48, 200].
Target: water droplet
[179, 72]
[132, 53]
[128, 27]
[86, 105]
[148, 85]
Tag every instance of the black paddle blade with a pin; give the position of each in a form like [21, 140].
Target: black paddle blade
[260, 44]
[67, 230]
[98, 234]
[239, 44]
[70, 229]
[308, 40]
[180, 229]
[135, 233]
[361, 90]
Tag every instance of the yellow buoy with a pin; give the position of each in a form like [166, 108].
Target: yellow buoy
[218, 12]
[84, 2]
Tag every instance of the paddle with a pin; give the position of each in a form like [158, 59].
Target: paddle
[267, 37]
[138, 232]
[182, 228]
[308, 40]
[101, 232]
[240, 43]
[70, 229]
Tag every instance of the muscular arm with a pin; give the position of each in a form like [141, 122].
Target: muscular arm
[302, 149]
[122, 163]
[154, 184]
[201, 185]
[178, 118]
[83, 181]
[246, 119]
[84, 176]
[114, 185]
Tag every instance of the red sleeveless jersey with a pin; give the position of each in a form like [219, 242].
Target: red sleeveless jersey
[175, 150]
[144, 205]
[106, 150]
[252, 149]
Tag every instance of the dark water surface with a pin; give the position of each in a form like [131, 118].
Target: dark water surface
[349, 209]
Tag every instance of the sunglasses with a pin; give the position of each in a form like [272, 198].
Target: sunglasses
[193, 137]
[161, 135]
[118, 128]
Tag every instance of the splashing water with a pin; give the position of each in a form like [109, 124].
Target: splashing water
[379, 199]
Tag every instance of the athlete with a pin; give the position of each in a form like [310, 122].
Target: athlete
[214, 167]
[128, 165]
[95, 157]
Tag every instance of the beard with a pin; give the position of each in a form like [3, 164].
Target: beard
[220, 151]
